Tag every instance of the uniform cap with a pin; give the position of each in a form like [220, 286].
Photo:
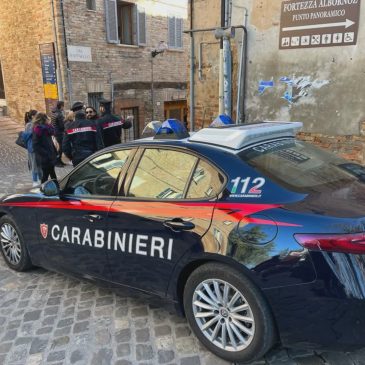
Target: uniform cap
[104, 102]
[77, 105]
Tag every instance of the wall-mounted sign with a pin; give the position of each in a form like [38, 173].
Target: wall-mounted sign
[49, 75]
[319, 23]
[79, 54]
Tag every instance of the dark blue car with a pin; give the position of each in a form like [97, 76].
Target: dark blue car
[256, 236]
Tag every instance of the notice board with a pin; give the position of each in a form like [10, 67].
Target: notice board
[49, 75]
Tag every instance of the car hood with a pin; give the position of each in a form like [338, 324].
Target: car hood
[345, 202]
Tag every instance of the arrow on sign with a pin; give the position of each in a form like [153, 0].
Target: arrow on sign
[345, 24]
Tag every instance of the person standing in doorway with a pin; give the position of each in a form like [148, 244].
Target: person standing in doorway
[58, 120]
[82, 137]
[43, 146]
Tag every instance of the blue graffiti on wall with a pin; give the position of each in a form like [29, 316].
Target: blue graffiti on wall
[263, 85]
[296, 87]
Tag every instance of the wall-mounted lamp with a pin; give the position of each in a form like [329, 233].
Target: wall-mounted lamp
[161, 48]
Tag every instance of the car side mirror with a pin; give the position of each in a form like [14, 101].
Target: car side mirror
[50, 188]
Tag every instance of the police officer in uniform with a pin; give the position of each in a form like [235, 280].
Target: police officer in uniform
[110, 125]
[82, 137]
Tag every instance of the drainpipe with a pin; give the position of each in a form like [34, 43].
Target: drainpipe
[69, 76]
[242, 75]
[58, 68]
[192, 70]
[227, 64]
[221, 71]
[227, 76]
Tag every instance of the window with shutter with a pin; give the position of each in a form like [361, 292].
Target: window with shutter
[172, 34]
[175, 32]
[179, 32]
[111, 21]
[141, 26]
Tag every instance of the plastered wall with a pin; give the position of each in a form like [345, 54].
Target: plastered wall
[328, 84]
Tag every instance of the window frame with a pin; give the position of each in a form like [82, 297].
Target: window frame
[118, 182]
[122, 194]
[137, 19]
[130, 8]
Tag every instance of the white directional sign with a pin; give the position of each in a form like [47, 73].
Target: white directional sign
[319, 23]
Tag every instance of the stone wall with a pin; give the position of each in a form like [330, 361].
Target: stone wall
[24, 25]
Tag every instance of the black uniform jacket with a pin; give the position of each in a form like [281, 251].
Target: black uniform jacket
[111, 127]
[82, 138]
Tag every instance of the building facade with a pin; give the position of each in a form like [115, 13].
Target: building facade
[133, 52]
[303, 63]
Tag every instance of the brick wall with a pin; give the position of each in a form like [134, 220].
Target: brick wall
[350, 147]
[23, 26]
[123, 64]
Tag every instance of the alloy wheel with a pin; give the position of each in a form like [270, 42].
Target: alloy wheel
[10, 243]
[223, 315]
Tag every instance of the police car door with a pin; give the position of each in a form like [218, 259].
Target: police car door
[77, 237]
[159, 218]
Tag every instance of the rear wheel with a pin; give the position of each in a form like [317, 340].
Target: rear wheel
[12, 245]
[228, 313]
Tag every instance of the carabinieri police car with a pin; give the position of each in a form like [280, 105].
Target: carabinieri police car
[257, 236]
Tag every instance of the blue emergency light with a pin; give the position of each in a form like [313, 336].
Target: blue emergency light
[221, 121]
[172, 129]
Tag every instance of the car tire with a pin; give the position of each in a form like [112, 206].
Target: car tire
[12, 245]
[216, 313]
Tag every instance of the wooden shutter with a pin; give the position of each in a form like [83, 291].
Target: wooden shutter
[172, 32]
[111, 19]
[179, 32]
[141, 26]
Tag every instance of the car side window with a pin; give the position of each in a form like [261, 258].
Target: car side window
[206, 182]
[98, 176]
[162, 174]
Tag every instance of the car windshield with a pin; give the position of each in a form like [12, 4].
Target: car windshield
[302, 167]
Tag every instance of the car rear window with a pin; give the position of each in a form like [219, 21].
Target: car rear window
[302, 167]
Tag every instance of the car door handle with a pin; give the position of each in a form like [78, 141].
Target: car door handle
[178, 224]
[93, 217]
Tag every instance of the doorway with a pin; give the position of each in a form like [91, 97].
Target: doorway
[176, 110]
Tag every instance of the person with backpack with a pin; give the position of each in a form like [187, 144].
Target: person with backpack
[43, 146]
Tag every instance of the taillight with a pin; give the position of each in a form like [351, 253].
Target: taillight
[347, 243]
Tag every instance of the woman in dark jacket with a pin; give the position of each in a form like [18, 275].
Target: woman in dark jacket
[43, 146]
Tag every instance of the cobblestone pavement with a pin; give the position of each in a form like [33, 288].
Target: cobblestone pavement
[48, 318]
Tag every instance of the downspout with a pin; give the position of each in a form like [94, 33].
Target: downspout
[69, 79]
[242, 78]
[221, 71]
[192, 70]
[227, 67]
[58, 68]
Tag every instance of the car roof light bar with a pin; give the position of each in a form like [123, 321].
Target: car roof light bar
[237, 137]
[172, 129]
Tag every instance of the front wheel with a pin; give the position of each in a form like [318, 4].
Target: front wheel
[12, 245]
[228, 313]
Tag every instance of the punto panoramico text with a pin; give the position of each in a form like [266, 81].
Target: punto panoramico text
[182, 182]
